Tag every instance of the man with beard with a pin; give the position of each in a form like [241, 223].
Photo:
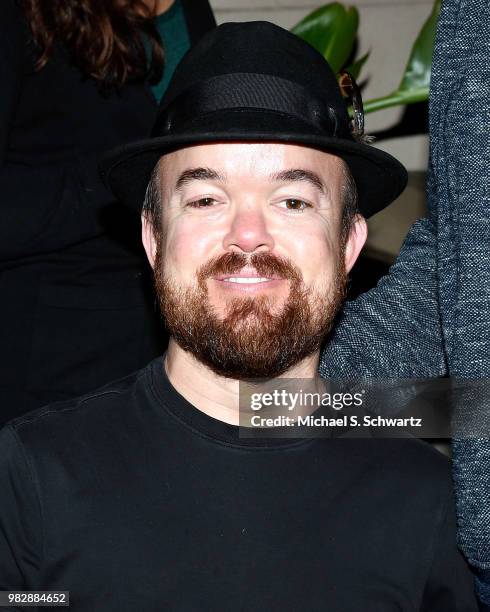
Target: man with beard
[249, 310]
[142, 495]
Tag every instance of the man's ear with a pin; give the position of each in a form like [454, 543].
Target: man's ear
[148, 237]
[357, 237]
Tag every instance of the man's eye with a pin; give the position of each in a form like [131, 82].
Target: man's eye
[296, 205]
[201, 203]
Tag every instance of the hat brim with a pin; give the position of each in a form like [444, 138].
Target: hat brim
[379, 177]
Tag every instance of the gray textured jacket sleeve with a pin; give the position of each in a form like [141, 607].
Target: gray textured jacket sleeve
[460, 149]
[393, 330]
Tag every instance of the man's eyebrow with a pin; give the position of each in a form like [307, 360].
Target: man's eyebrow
[197, 174]
[299, 174]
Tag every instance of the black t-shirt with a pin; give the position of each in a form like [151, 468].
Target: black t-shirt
[132, 499]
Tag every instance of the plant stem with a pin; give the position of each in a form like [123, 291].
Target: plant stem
[395, 99]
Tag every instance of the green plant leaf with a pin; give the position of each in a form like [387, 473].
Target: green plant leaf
[341, 43]
[414, 86]
[316, 27]
[331, 30]
[417, 71]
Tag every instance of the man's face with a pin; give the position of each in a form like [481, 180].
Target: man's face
[250, 268]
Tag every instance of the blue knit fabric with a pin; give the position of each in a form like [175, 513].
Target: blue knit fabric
[483, 589]
[430, 315]
[460, 150]
[393, 330]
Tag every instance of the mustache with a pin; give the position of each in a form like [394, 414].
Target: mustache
[266, 264]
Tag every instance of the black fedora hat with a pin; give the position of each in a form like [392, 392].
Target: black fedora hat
[254, 82]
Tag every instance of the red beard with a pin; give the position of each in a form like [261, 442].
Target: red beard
[250, 341]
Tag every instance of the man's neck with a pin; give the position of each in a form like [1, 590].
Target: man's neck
[217, 396]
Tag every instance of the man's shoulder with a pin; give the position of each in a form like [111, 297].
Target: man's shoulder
[409, 451]
[416, 469]
[107, 404]
[409, 464]
[409, 456]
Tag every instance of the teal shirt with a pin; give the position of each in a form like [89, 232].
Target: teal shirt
[172, 28]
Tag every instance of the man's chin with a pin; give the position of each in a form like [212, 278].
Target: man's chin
[250, 308]
[242, 358]
[249, 345]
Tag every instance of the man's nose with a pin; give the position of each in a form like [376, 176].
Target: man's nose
[248, 231]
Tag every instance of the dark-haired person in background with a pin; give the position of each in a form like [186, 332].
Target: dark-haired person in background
[75, 80]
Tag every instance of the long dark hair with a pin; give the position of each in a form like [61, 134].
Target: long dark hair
[104, 37]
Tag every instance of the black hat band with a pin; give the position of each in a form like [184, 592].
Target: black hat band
[250, 91]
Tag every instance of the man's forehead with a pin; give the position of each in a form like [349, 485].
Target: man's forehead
[223, 160]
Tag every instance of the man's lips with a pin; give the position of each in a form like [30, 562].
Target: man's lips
[247, 279]
[247, 276]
